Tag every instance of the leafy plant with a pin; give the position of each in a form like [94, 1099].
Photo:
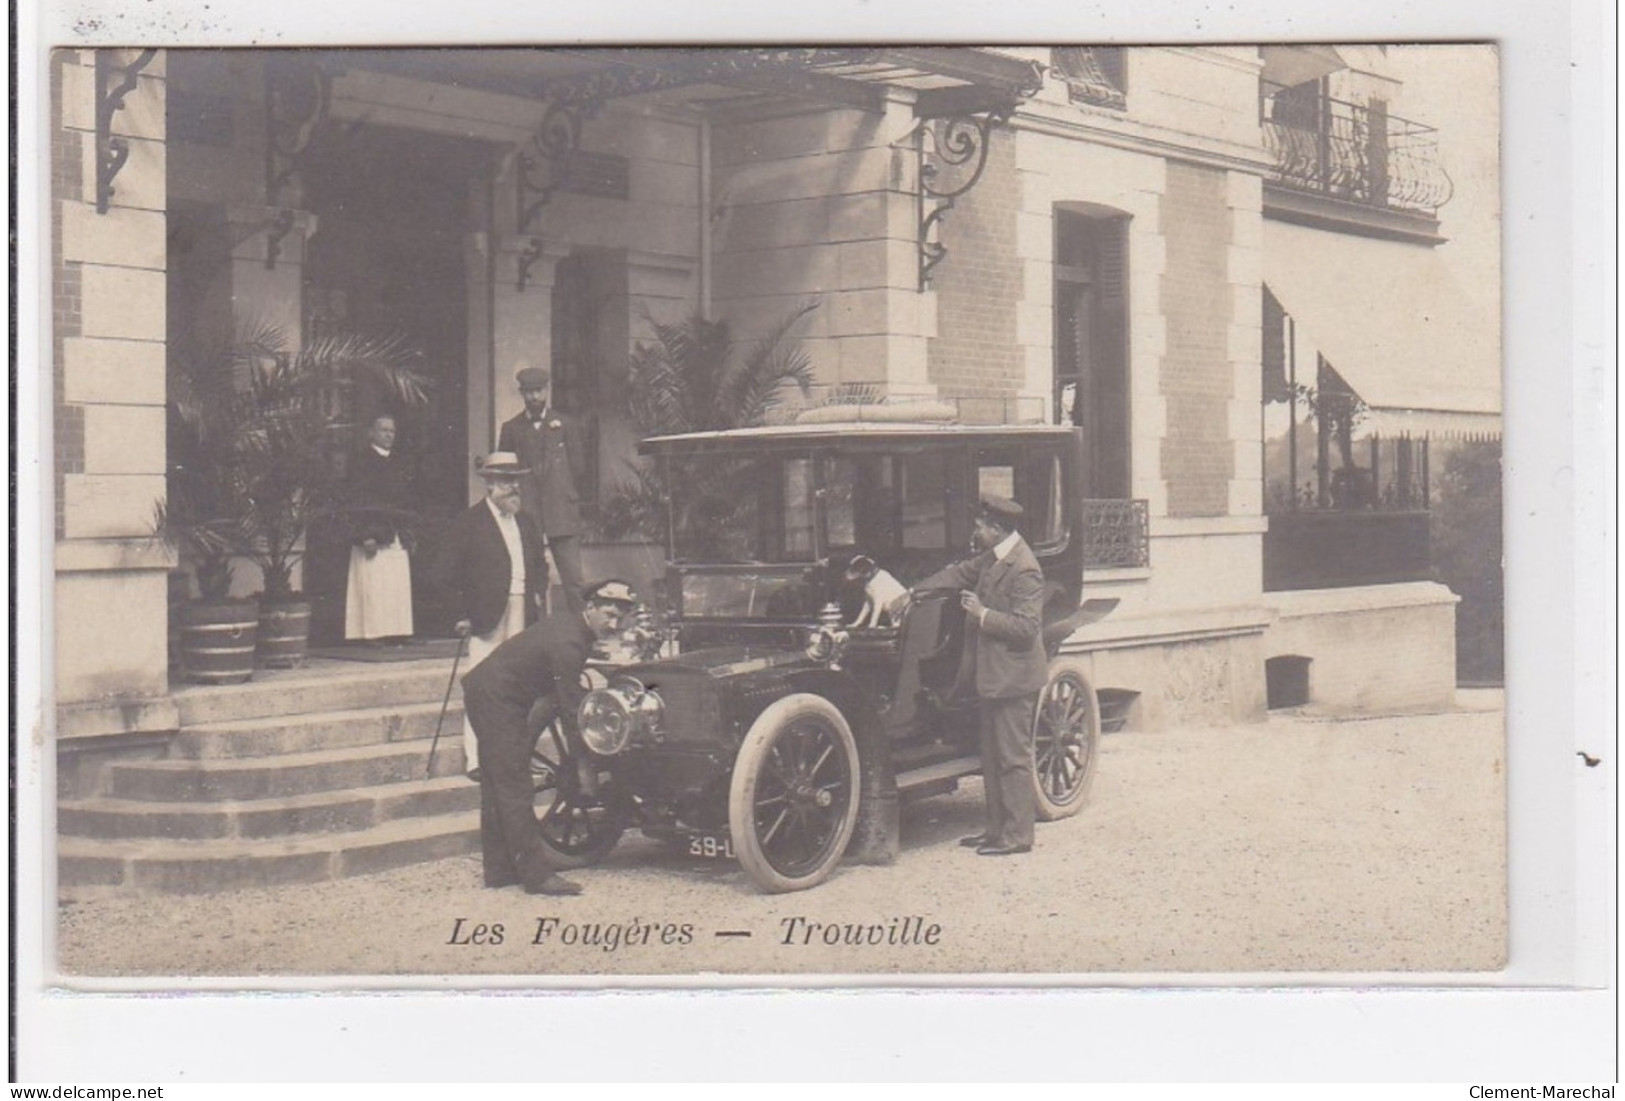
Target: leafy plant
[691, 380]
[1466, 534]
[250, 432]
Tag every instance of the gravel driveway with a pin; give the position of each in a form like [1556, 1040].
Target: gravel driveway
[1300, 844]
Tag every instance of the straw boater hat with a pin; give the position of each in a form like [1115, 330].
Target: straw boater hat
[499, 464]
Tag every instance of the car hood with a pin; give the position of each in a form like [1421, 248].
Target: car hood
[720, 662]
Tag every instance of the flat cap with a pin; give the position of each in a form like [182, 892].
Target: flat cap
[1001, 510]
[533, 378]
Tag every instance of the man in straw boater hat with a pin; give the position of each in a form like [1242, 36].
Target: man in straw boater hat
[527, 683]
[552, 447]
[1002, 591]
[493, 568]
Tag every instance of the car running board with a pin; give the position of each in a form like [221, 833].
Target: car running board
[1091, 611]
[951, 769]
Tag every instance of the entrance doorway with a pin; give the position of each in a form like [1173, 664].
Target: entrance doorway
[394, 208]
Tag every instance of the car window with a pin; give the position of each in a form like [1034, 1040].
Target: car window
[747, 509]
[1033, 480]
[922, 490]
[998, 480]
[799, 517]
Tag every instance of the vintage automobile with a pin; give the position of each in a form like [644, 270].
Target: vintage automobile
[756, 722]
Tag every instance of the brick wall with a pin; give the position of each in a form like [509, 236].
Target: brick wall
[67, 304]
[1197, 380]
[978, 285]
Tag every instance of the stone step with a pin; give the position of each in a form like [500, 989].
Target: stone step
[88, 867]
[320, 812]
[289, 774]
[269, 736]
[337, 686]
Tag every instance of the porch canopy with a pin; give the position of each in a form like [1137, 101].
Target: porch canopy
[946, 81]
[1420, 349]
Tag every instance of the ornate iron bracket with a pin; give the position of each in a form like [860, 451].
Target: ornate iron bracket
[296, 99]
[279, 228]
[952, 155]
[113, 83]
[528, 256]
[557, 138]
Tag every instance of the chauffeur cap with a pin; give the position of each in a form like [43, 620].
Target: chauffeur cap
[612, 591]
[1001, 510]
[533, 378]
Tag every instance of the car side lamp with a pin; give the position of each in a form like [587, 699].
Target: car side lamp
[827, 641]
[644, 637]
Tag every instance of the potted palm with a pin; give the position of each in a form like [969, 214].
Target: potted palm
[257, 465]
[693, 378]
[203, 516]
[286, 447]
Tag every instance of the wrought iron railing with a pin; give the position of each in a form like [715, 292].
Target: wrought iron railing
[1116, 534]
[1352, 152]
[1093, 74]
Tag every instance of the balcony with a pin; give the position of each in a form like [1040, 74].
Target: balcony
[1351, 168]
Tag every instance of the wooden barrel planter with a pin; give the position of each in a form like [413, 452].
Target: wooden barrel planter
[284, 634]
[217, 641]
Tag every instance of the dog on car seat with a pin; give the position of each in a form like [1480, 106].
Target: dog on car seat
[884, 597]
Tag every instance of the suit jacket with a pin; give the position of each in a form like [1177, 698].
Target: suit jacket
[473, 567]
[380, 494]
[557, 460]
[544, 660]
[1004, 654]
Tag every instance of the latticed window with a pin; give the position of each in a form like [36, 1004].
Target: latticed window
[1095, 75]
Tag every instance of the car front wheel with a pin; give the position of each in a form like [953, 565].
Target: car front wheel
[793, 800]
[1066, 740]
[577, 828]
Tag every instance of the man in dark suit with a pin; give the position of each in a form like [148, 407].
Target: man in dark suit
[492, 568]
[552, 446]
[528, 681]
[1002, 591]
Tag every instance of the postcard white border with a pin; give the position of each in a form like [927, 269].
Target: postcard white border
[1558, 272]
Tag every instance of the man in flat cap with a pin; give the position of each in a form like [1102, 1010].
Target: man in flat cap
[528, 682]
[493, 570]
[552, 446]
[1002, 591]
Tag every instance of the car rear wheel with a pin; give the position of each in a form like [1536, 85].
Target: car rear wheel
[793, 800]
[577, 829]
[1066, 740]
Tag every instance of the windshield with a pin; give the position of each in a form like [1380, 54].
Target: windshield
[791, 508]
[741, 509]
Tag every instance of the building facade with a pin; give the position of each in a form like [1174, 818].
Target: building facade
[1122, 238]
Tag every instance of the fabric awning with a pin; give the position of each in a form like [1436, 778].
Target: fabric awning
[1289, 65]
[1420, 349]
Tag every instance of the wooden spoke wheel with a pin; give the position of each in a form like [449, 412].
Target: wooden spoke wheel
[793, 800]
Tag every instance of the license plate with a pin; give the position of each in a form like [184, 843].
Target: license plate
[711, 846]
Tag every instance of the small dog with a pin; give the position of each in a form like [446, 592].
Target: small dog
[884, 597]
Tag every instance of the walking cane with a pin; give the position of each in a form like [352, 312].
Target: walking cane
[429, 771]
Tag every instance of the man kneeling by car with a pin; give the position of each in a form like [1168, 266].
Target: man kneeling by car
[536, 675]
